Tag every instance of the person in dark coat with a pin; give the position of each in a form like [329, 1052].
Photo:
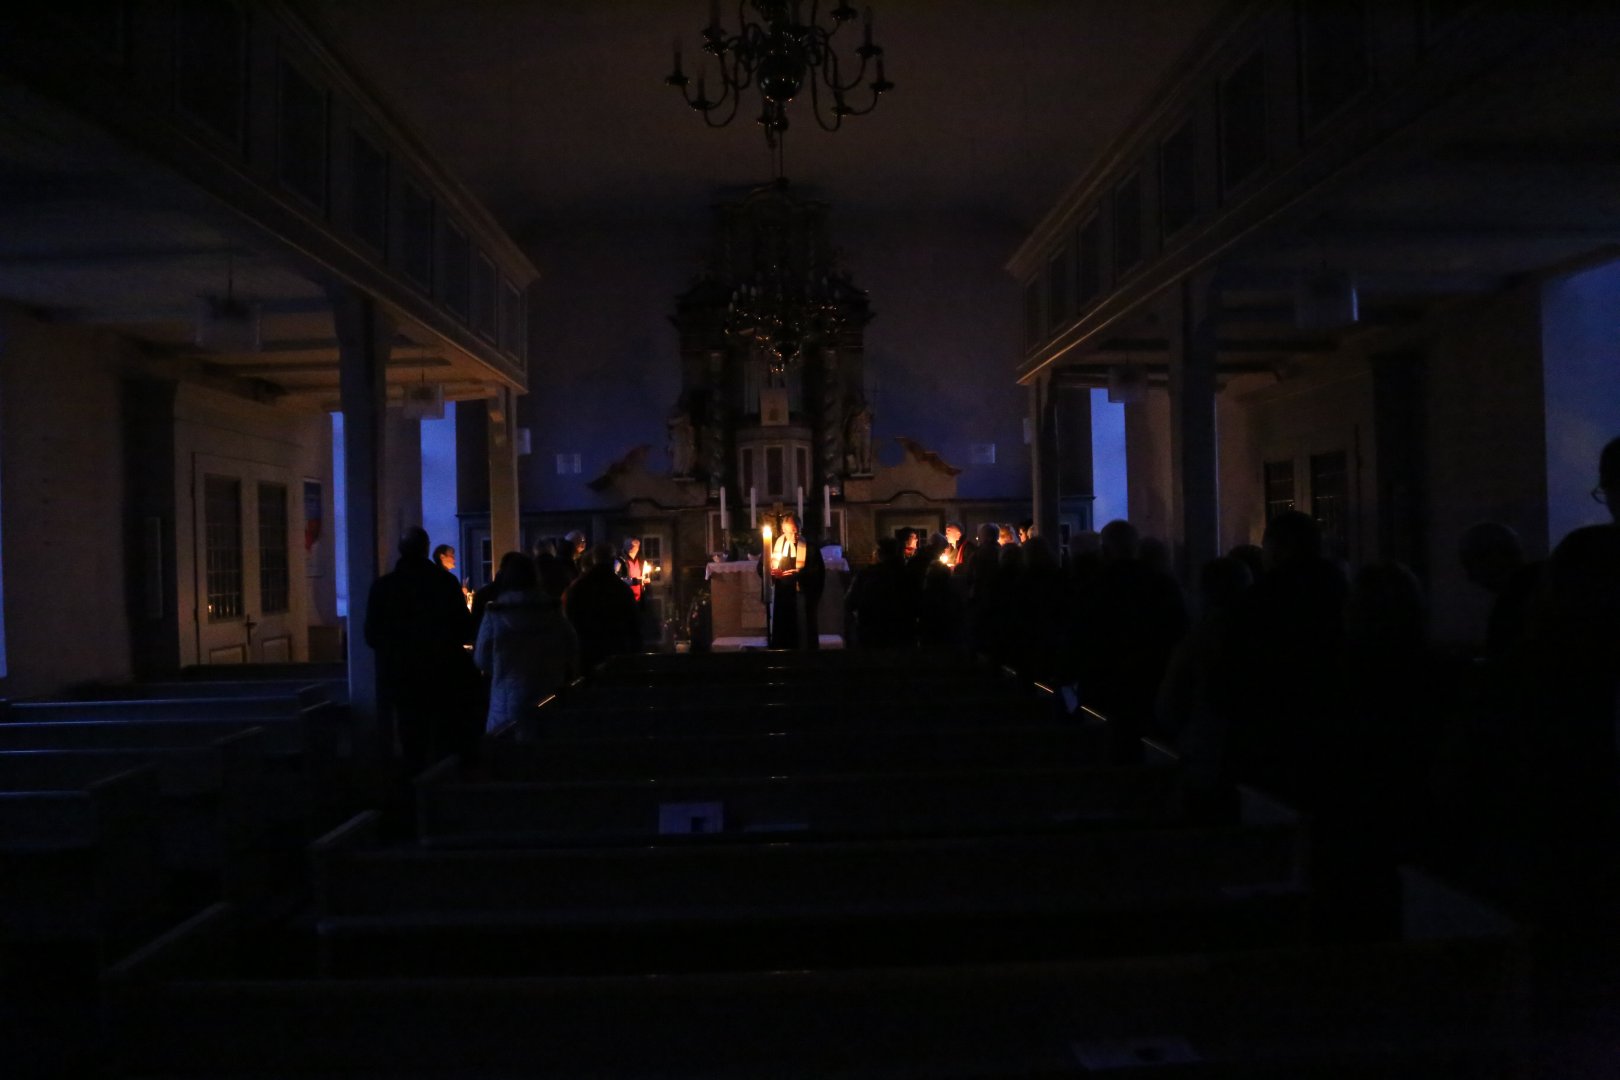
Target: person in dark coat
[602, 609]
[418, 624]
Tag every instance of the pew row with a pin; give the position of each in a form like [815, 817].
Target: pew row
[79, 854]
[452, 811]
[213, 807]
[557, 716]
[695, 755]
[1415, 1008]
[895, 900]
[303, 778]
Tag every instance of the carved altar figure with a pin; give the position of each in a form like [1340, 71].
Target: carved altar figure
[682, 444]
[858, 440]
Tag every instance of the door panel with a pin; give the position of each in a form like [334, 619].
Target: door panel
[250, 596]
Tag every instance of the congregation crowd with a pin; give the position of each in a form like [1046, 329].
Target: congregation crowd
[1281, 669]
[1278, 669]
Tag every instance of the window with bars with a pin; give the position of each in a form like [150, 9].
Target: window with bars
[1088, 262]
[1333, 51]
[274, 578]
[211, 66]
[1128, 224]
[222, 528]
[368, 191]
[775, 481]
[1330, 489]
[1033, 328]
[1058, 291]
[303, 135]
[1279, 481]
[1243, 121]
[1178, 179]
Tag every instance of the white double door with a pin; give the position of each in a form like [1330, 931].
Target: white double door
[249, 522]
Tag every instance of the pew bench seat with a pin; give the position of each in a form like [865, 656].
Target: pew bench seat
[1416, 1008]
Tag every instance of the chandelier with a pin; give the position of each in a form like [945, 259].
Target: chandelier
[783, 316]
[779, 54]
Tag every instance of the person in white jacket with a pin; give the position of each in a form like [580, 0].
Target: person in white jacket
[525, 644]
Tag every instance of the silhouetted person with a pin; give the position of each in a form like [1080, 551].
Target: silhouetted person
[1286, 659]
[881, 604]
[1083, 559]
[812, 584]
[1608, 486]
[1252, 556]
[1369, 763]
[941, 611]
[1130, 621]
[1492, 557]
[525, 644]
[1190, 710]
[603, 610]
[956, 547]
[556, 572]
[418, 624]
[573, 552]
[984, 586]
[497, 585]
[783, 565]
[1040, 644]
[1560, 704]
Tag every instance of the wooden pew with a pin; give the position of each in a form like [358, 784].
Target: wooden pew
[944, 694]
[1413, 1008]
[79, 855]
[871, 902]
[452, 811]
[731, 718]
[696, 755]
[301, 691]
[214, 819]
[642, 668]
[302, 772]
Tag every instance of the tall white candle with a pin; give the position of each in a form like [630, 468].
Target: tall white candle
[826, 510]
[722, 507]
[801, 505]
[753, 516]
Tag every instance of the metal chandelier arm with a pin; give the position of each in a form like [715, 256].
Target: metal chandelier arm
[778, 54]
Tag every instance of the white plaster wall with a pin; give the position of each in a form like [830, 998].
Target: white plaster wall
[1486, 444]
[63, 486]
[1242, 500]
[1580, 334]
[1328, 406]
[1147, 462]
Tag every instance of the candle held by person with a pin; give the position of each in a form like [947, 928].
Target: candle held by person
[764, 578]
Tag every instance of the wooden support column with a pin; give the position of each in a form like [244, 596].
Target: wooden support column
[1076, 471]
[1195, 492]
[1043, 395]
[1400, 441]
[505, 531]
[364, 337]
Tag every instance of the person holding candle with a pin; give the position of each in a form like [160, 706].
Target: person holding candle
[632, 569]
[797, 575]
